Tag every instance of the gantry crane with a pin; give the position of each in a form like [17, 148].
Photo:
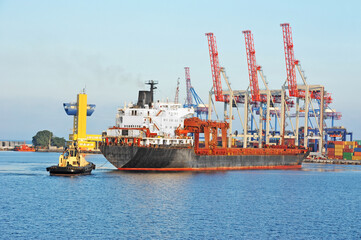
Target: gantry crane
[231, 97]
[253, 83]
[262, 97]
[200, 107]
[304, 92]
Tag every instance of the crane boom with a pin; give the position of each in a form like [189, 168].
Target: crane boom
[252, 66]
[176, 98]
[216, 75]
[290, 60]
[189, 101]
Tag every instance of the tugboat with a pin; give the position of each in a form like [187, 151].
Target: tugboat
[71, 163]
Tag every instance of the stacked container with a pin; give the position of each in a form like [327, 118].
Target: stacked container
[339, 150]
[357, 151]
[331, 150]
[344, 150]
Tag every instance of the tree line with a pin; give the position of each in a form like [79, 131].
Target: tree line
[46, 138]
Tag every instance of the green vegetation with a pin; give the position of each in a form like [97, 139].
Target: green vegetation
[45, 138]
[57, 141]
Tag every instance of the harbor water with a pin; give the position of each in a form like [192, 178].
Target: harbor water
[319, 201]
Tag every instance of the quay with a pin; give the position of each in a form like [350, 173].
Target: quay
[333, 161]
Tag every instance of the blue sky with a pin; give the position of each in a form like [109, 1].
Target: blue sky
[50, 50]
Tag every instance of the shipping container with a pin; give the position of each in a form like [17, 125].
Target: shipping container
[347, 156]
[356, 158]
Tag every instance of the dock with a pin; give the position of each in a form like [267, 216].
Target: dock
[333, 161]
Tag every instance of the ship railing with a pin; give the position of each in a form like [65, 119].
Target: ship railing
[168, 141]
[248, 151]
[131, 141]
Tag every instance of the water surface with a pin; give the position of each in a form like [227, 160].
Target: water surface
[319, 201]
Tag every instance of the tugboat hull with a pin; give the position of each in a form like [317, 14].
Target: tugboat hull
[70, 170]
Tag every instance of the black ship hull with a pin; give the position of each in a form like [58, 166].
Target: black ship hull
[70, 170]
[184, 159]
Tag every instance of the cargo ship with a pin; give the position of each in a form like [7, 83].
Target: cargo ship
[163, 136]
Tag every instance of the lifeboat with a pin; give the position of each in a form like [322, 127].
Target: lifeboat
[24, 148]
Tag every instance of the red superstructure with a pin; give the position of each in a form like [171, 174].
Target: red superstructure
[210, 130]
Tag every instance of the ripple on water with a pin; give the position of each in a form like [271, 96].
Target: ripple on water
[318, 201]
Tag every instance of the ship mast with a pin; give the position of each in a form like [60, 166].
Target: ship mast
[152, 84]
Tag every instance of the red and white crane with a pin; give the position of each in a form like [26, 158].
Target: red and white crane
[290, 60]
[265, 96]
[216, 69]
[305, 92]
[291, 64]
[252, 66]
